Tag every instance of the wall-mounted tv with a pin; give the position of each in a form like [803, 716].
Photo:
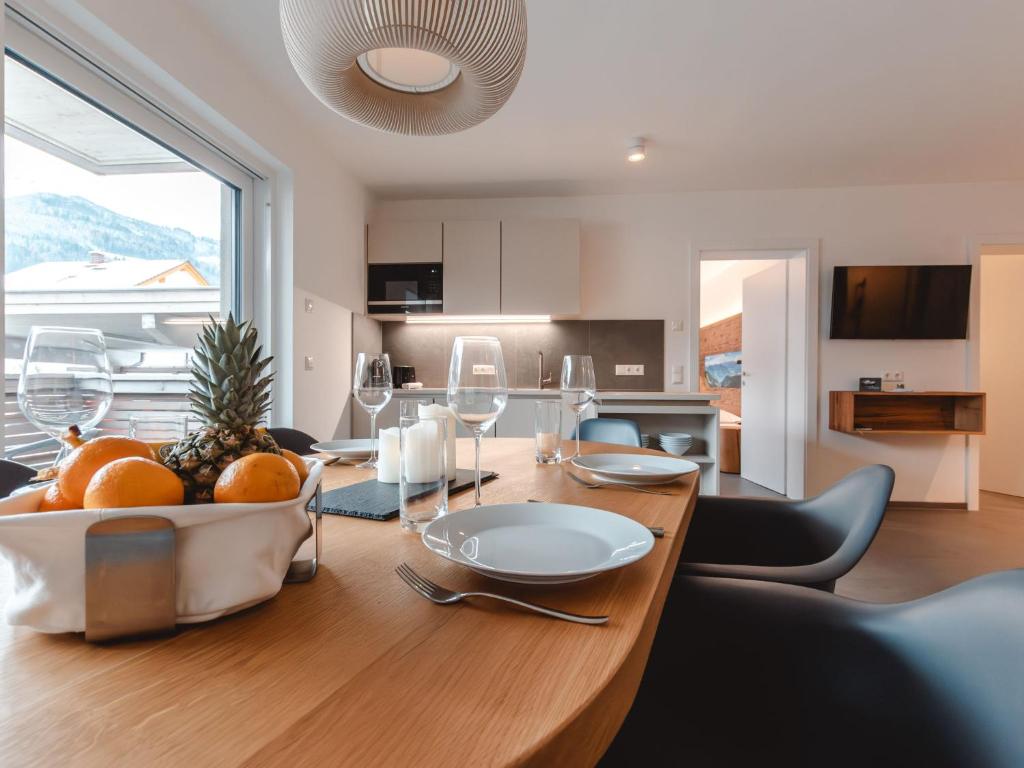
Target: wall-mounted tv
[901, 302]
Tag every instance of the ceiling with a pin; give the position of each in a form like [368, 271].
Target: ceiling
[731, 94]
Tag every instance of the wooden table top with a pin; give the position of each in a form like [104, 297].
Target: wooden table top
[354, 668]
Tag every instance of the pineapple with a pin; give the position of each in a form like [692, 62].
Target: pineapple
[231, 397]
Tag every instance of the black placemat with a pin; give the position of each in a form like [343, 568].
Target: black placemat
[379, 501]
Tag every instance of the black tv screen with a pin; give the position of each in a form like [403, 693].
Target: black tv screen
[901, 302]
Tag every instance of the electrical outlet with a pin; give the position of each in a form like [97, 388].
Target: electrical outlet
[309, 305]
[309, 362]
[629, 370]
[677, 374]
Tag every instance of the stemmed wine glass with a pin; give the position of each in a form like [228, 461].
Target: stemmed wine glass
[477, 387]
[65, 380]
[372, 387]
[579, 387]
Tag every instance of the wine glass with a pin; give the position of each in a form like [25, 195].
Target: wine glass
[65, 380]
[579, 387]
[372, 387]
[477, 387]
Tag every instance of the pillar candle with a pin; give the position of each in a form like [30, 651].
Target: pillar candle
[446, 413]
[421, 452]
[387, 455]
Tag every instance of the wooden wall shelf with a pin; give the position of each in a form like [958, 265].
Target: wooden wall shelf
[907, 413]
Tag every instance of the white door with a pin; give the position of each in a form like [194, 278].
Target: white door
[763, 397]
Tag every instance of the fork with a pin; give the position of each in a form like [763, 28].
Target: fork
[590, 485]
[438, 594]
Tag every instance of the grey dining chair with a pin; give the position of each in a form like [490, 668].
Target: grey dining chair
[293, 440]
[617, 431]
[13, 475]
[811, 542]
[758, 673]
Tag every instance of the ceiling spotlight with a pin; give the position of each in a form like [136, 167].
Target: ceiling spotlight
[637, 150]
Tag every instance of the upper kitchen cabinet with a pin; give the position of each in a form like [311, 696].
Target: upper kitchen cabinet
[540, 267]
[404, 242]
[472, 267]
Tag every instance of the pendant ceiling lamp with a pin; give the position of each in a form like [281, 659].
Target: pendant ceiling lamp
[418, 67]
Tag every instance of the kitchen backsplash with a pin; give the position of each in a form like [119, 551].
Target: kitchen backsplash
[609, 342]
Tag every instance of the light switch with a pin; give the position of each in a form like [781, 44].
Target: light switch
[677, 374]
[309, 305]
[309, 362]
[677, 325]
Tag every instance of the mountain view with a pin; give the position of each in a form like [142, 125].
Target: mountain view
[48, 227]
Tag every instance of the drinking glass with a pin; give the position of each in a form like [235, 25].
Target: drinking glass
[423, 473]
[477, 388]
[65, 380]
[371, 386]
[579, 387]
[158, 428]
[547, 422]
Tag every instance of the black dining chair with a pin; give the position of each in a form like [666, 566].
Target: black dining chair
[617, 431]
[811, 542]
[758, 673]
[13, 475]
[293, 440]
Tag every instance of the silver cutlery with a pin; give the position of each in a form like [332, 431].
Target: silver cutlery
[656, 530]
[606, 484]
[438, 594]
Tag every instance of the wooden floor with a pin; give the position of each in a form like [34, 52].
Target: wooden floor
[921, 551]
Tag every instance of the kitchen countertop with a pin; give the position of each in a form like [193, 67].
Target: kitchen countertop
[613, 395]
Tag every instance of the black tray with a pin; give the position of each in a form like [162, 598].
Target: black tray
[379, 501]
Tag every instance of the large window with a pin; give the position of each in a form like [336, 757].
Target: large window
[108, 226]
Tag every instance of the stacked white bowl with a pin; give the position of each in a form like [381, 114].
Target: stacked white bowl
[676, 443]
[645, 440]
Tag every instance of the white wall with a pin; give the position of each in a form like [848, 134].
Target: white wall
[635, 264]
[1002, 373]
[318, 210]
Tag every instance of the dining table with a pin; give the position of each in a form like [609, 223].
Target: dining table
[354, 668]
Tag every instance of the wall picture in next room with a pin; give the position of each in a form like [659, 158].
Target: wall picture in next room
[722, 370]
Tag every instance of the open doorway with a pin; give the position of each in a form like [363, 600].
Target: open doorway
[1001, 369]
[755, 348]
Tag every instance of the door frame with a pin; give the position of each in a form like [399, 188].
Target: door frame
[800, 442]
[972, 353]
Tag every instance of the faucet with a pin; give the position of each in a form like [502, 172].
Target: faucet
[541, 381]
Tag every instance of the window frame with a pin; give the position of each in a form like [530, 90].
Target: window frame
[74, 73]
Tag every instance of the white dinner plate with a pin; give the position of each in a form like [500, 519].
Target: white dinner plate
[538, 543]
[345, 449]
[635, 468]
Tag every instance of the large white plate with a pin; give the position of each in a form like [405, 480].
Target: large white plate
[635, 467]
[346, 449]
[538, 543]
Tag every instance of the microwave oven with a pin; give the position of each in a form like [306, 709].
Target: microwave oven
[404, 288]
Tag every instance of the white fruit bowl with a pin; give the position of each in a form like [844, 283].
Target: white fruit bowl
[227, 556]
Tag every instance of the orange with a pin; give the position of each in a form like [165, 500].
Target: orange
[298, 463]
[258, 477]
[85, 461]
[53, 500]
[134, 482]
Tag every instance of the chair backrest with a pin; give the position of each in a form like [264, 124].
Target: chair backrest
[13, 475]
[618, 431]
[293, 439]
[848, 514]
[828, 680]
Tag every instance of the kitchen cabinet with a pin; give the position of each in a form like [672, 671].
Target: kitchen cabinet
[540, 267]
[472, 267]
[404, 242]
